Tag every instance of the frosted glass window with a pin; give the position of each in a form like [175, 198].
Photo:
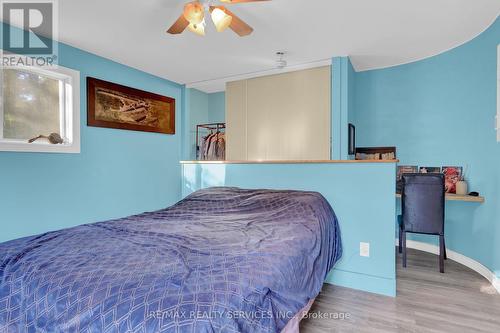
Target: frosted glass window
[32, 105]
[37, 102]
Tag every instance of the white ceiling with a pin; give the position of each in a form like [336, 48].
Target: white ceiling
[375, 33]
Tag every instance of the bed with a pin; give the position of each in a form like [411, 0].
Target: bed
[220, 260]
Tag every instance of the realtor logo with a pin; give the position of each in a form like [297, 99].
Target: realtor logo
[29, 32]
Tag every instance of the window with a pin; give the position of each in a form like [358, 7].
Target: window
[497, 125]
[39, 102]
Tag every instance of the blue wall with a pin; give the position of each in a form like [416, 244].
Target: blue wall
[196, 113]
[440, 111]
[217, 107]
[343, 77]
[117, 173]
[346, 186]
[201, 108]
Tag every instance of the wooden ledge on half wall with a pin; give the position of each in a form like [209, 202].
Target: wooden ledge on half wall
[458, 197]
[289, 161]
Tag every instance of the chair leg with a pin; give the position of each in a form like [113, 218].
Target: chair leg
[444, 246]
[441, 254]
[400, 241]
[403, 236]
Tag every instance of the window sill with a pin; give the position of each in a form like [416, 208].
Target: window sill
[17, 146]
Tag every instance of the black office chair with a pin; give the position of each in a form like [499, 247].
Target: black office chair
[422, 204]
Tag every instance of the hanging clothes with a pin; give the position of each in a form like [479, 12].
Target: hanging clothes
[201, 149]
[221, 147]
[213, 147]
[210, 149]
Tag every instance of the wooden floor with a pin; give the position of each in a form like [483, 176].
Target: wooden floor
[460, 300]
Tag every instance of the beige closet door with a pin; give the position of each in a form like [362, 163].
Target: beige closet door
[236, 121]
[287, 116]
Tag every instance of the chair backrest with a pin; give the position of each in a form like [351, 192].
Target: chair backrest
[422, 203]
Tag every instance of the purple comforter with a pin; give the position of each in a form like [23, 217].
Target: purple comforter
[221, 260]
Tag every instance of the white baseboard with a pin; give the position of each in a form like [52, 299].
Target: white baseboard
[460, 258]
[496, 284]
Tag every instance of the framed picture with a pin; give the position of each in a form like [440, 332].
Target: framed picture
[452, 174]
[406, 169]
[115, 106]
[400, 171]
[430, 170]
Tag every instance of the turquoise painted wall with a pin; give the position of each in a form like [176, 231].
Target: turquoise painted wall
[217, 107]
[346, 186]
[117, 173]
[201, 108]
[343, 78]
[440, 111]
[196, 113]
[351, 99]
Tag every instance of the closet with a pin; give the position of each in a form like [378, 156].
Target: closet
[280, 117]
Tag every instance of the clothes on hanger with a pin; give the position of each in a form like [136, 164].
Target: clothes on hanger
[213, 147]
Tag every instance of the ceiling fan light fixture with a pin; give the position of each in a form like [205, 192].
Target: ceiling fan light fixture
[193, 18]
[221, 20]
[198, 29]
[194, 12]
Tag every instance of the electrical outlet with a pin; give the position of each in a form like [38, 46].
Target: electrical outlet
[364, 249]
[497, 117]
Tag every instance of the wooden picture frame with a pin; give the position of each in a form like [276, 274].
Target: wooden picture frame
[424, 169]
[401, 169]
[452, 175]
[112, 105]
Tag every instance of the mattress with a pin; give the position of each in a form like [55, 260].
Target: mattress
[220, 260]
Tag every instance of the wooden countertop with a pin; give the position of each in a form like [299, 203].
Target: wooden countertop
[289, 162]
[456, 197]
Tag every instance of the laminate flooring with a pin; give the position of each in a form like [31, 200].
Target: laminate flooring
[460, 300]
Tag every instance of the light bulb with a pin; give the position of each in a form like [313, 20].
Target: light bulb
[198, 29]
[221, 19]
[194, 12]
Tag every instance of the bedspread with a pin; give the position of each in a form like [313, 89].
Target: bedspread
[220, 260]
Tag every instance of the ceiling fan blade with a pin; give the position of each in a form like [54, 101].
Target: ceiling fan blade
[240, 1]
[179, 26]
[237, 24]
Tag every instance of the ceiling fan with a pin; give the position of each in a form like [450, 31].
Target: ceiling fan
[193, 18]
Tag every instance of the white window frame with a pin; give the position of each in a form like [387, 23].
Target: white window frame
[71, 120]
[497, 118]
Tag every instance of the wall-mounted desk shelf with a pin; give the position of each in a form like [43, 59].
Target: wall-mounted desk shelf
[456, 197]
